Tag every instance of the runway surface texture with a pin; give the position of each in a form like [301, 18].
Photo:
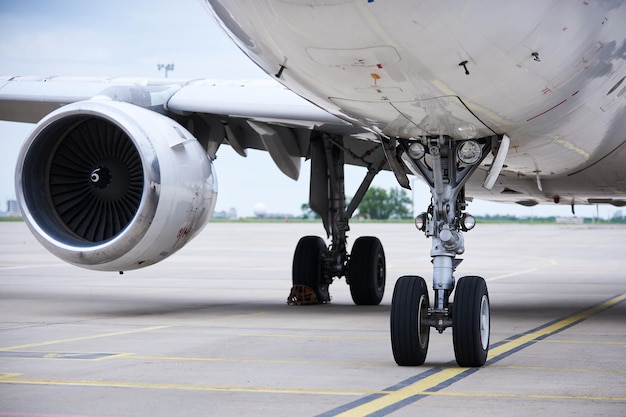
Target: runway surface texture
[208, 332]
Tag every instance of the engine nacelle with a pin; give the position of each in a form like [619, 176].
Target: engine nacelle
[112, 186]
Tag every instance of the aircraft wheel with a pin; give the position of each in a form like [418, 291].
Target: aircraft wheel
[366, 273]
[409, 310]
[471, 322]
[307, 268]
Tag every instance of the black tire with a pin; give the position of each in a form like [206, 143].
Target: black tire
[471, 322]
[366, 274]
[307, 266]
[409, 309]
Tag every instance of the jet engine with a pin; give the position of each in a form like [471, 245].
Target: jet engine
[112, 186]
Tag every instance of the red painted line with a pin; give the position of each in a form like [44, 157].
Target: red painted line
[551, 108]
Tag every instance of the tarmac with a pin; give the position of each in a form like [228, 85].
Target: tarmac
[208, 332]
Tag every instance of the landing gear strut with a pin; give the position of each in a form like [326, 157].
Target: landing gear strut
[315, 265]
[446, 164]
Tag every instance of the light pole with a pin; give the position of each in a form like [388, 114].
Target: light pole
[166, 67]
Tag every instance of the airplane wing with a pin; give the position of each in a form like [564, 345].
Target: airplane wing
[29, 99]
[239, 105]
[106, 152]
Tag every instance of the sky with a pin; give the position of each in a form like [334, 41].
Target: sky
[130, 38]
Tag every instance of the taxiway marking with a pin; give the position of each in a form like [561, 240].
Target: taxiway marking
[549, 262]
[19, 267]
[267, 361]
[21, 414]
[433, 381]
[125, 332]
[512, 274]
[372, 402]
[81, 338]
[103, 356]
[560, 369]
[526, 396]
[582, 342]
[16, 379]
[96, 356]
[308, 336]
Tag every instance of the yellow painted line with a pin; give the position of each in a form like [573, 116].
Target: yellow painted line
[78, 339]
[17, 267]
[526, 396]
[555, 369]
[530, 337]
[417, 388]
[576, 397]
[423, 386]
[132, 356]
[15, 379]
[112, 334]
[268, 361]
[387, 398]
[308, 336]
[581, 342]
[339, 337]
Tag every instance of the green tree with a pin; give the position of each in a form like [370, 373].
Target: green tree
[307, 212]
[401, 203]
[378, 204]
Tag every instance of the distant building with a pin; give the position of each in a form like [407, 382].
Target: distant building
[230, 214]
[570, 220]
[12, 209]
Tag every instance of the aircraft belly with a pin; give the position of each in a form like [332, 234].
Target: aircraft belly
[601, 181]
[537, 71]
[416, 118]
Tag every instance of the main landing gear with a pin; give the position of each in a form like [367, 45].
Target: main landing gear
[314, 264]
[446, 164]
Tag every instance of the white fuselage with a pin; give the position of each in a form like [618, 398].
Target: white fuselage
[549, 74]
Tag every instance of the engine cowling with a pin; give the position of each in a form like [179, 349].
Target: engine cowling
[112, 186]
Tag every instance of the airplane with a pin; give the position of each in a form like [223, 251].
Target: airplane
[511, 102]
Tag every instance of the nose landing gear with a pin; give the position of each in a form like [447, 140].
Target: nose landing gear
[446, 164]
